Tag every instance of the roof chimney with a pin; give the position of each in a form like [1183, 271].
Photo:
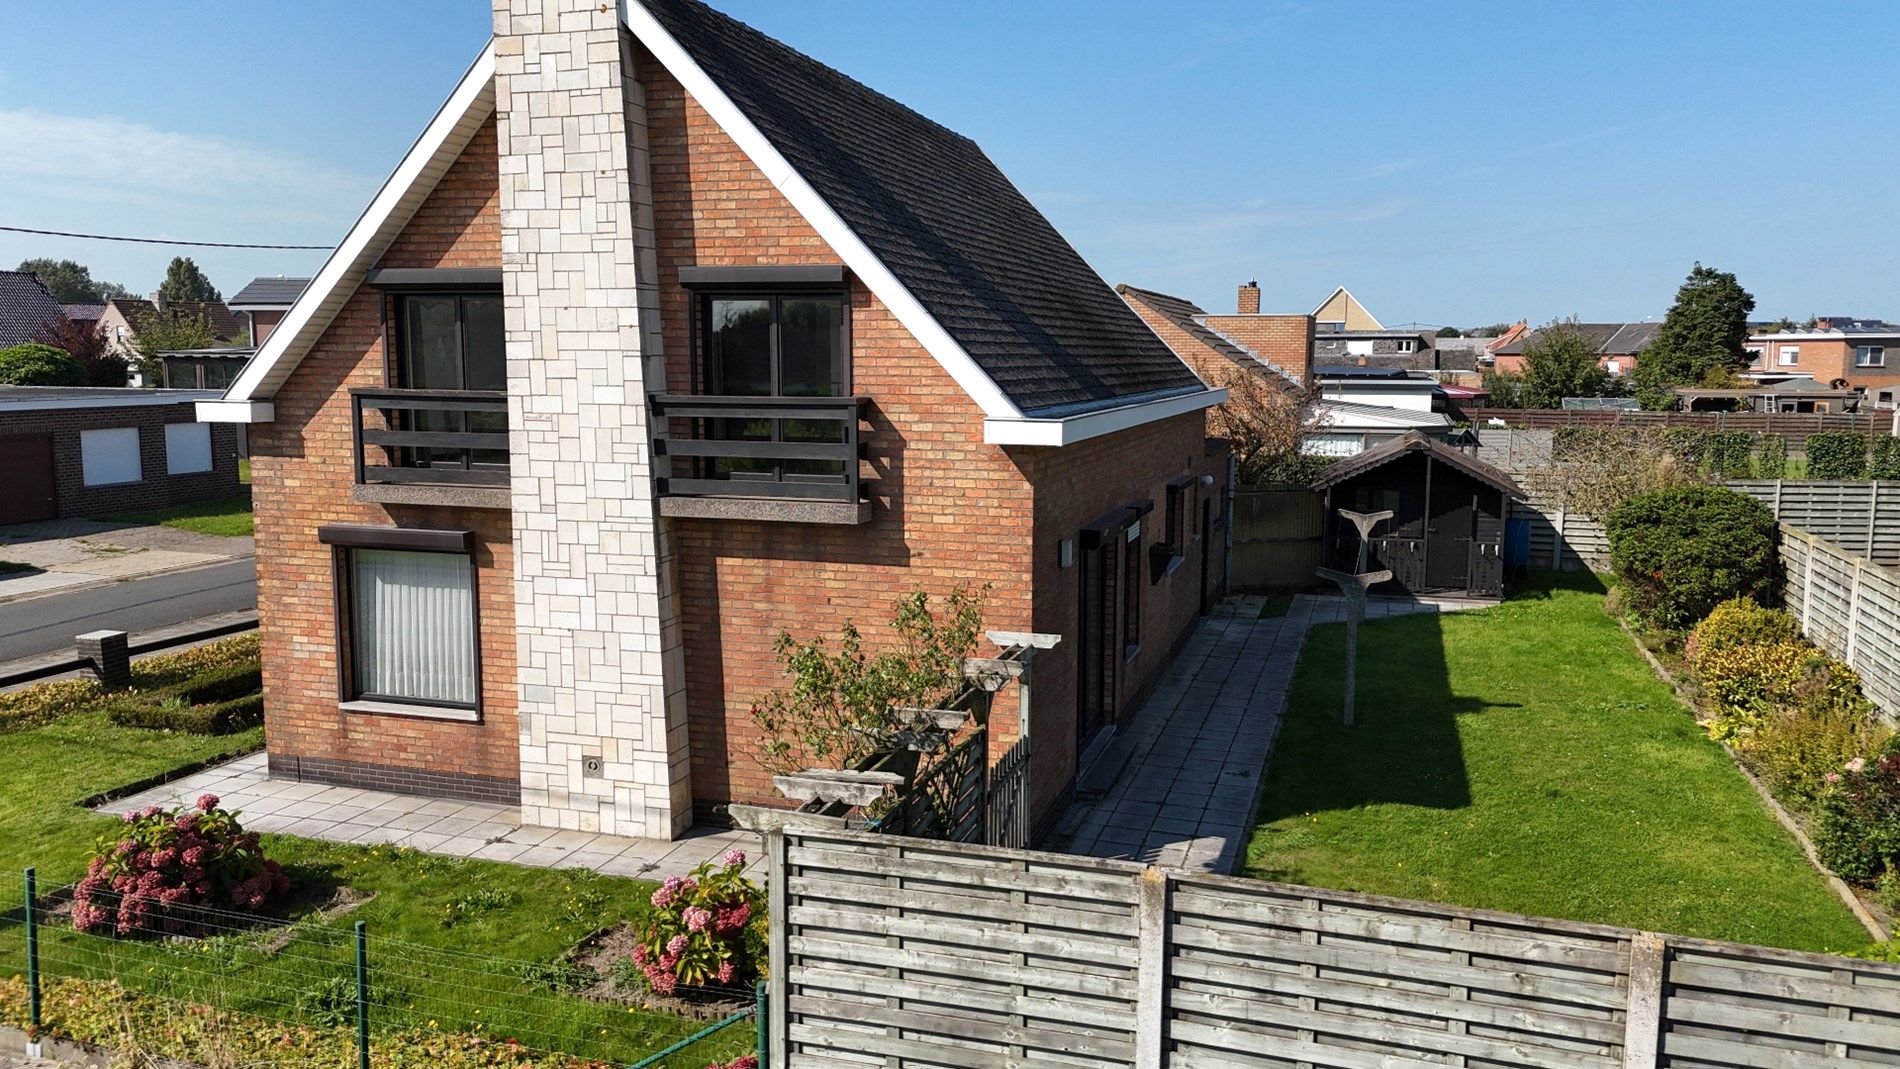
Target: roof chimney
[1250, 299]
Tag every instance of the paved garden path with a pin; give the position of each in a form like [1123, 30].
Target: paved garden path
[482, 830]
[1199, 744]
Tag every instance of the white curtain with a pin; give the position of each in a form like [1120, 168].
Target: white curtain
[415, 625]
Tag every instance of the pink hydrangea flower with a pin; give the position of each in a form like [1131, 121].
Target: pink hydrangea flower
[1857, 764]
[676, 944]
[726, 972]
[734, 857]
[207, 802]
[696, 918]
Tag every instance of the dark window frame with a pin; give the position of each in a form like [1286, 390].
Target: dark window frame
[1131, 589]
[342, 577]
[400, 372]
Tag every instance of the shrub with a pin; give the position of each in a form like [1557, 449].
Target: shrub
[1886, 461]
[1771, 457]
[34, 364]
[161, 864]
[46, 702]
[1887, 891]
[1739, 622]
[1796, 749]
[1743, 686]
[1726, 453]
[1683, 550]
[1858, 833]
[1837, 455]
[175, 713]
[702, 929]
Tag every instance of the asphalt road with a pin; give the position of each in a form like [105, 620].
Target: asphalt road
[45, 624]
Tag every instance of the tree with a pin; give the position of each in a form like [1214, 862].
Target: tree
[168, 331]
[184, 282]
[1702, 339]
[1505, 387]
[85, 343]
[1264, 420]
[1560, 362]
[1449, 332]
[34, 364]
[71, 282]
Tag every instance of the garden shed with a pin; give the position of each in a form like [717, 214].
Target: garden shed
[1449, 509]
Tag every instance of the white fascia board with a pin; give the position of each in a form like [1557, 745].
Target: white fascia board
[1028, 430]
[229, 411]
[343, 271]
[830, 226]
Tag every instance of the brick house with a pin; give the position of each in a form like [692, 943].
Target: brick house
[664, 337]
[1618, 346]
[91, 450]
[1842, 351]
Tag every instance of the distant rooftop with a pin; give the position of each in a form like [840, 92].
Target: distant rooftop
[25, 307]
[34, 398]
[1354, 371]
[269, 291]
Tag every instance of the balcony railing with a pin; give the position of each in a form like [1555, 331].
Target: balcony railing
[803, 448]
[432, 437]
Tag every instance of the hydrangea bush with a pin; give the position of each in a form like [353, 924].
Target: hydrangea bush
[149, 875]
[701, 929]
[1858, 834]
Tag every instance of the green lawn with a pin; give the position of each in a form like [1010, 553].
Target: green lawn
[226, 516]
[1525, 758]
[482, 972]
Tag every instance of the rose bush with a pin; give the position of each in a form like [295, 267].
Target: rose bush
[1858, 834]
[702, 929]
[160, 864]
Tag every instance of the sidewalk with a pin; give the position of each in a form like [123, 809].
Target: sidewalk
[1200, 742]
[76, 553]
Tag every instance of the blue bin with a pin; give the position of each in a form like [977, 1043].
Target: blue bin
[1517, 543]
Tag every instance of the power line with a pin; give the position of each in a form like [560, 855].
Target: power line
[163, 241]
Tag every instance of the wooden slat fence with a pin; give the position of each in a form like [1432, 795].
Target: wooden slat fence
[1848, 606]
[1276, 537]
[1859, 516]
[899, 953]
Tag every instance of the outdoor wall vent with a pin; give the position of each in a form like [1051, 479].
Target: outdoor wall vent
[1065, 552]
[592, 767]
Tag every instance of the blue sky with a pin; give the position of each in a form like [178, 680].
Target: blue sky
[1450, 163]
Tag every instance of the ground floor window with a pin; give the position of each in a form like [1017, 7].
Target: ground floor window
[109, 456]
[411, 622]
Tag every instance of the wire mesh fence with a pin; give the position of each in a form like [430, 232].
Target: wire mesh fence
[234, 989]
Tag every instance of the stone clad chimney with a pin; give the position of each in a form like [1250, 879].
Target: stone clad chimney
[1250, 299]
[601, 672]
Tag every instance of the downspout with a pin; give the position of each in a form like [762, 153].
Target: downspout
[1227, 555]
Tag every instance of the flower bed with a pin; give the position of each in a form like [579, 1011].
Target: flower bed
[174, 690]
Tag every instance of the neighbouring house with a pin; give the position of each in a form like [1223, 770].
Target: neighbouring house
[1618, 345]
[1413, 350]
[87, 450]
[1341, 312]
[1449, 514]
[1513, 333]
[263, 301]
[86, 315]
[26, 307]
[664, 337]
[1837, 352]
[124, 316]
[1347, 415]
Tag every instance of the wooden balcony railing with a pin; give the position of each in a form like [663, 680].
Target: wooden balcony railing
[804, 448]
[433, 437]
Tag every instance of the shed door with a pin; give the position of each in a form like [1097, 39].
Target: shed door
[28, 462]
[1448, 536]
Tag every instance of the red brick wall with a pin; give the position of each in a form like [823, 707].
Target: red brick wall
[155, 488]
[263, 322]
[302, 473]
[949, 509]
[1285, 341]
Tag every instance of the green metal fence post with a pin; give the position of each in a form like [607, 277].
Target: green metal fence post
[758, 1011]
[362, 997]
[32, 956]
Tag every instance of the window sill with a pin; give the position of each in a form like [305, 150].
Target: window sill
[768, 510]
[419, 712]
[473, 497]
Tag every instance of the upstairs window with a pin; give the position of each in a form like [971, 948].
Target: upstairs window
[452, 342]
[775, 345]
[1870, 356]
[1407, 345]
[1790, 355]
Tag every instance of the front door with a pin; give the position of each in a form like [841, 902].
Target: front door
[28, 462]
[1097, 651]
[1448, 536]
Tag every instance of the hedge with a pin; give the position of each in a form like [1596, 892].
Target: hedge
[1682, 551]
[1837, 455]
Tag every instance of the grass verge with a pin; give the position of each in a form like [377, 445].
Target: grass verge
[227, 516]
[1526, 759]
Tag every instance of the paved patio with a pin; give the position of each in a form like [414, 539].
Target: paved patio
[482, 830]
[1200, 742]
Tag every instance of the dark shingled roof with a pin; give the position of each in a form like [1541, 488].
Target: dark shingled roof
[83, 313]
[268, 292]
[940, 215]
[25, 307]
[1611, 339]
[1415, 442]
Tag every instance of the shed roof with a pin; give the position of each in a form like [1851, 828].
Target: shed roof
[1414, 442]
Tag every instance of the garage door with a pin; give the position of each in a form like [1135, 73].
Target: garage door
[28, 462]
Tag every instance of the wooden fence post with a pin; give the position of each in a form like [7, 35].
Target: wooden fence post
[1853, 611]
[1642, 1019]
[1151, 978]
[1873, 515]
[779, 963]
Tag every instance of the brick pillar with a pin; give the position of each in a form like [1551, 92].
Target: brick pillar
[602, 675]
[110, 657]
[1250, 299]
